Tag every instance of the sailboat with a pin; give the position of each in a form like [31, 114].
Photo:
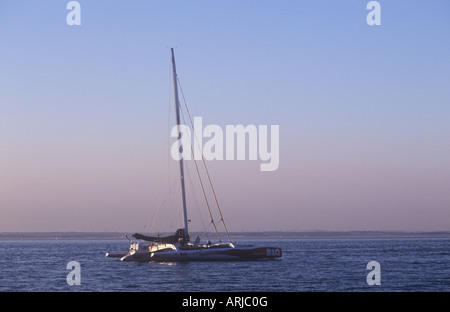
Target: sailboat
[178, 247]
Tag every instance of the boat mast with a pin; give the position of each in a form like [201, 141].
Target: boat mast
[177, 110]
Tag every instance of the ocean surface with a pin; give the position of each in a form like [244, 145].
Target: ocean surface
[308, 265]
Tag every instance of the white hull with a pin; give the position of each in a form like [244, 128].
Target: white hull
[219, 252]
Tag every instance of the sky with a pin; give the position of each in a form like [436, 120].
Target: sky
[363, 113]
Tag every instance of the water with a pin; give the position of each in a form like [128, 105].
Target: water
[307, 265]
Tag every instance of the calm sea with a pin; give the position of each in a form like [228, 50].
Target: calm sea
[315, 265]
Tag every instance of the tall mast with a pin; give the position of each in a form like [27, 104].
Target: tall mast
[177, 110]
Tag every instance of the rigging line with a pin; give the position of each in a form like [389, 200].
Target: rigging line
[151, 217]
[194, 195]
[160, 208]
[203, 188]
[204, 164]
[168, 144]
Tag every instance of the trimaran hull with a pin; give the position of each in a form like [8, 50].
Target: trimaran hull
[222, 254]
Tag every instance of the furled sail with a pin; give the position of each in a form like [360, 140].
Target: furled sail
[179, 236]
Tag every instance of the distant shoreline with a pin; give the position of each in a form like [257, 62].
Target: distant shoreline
[233, 235]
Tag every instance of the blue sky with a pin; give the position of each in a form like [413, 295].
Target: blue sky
[363, 111]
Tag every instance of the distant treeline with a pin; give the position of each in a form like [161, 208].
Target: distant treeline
[233, 235]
